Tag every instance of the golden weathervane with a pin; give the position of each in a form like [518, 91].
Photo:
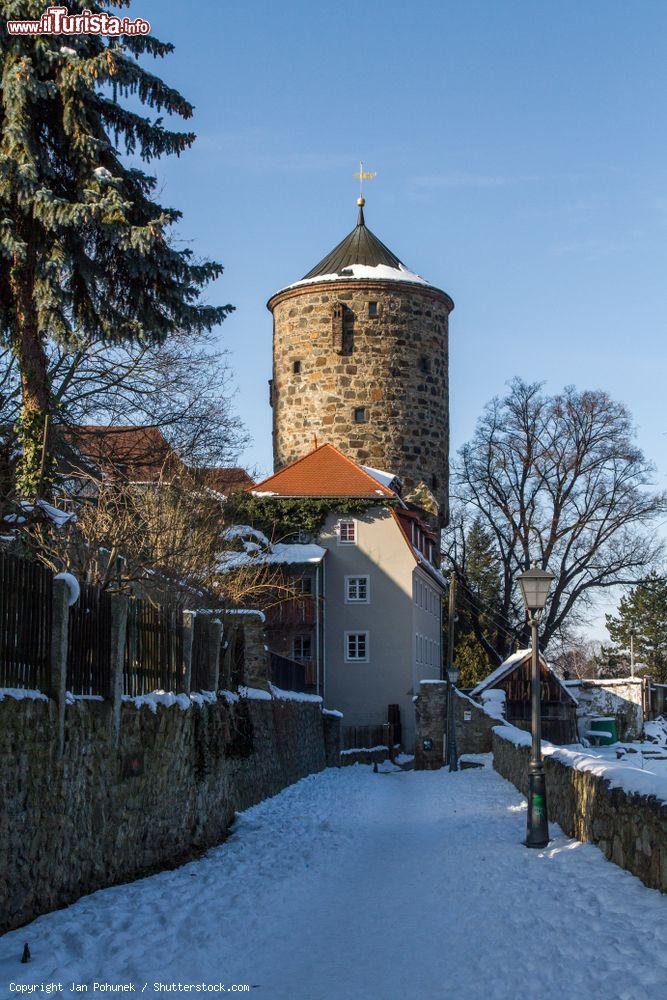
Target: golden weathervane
[363, 176]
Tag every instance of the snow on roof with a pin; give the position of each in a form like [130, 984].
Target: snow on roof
[59, 518]
[508, 665]
[384, 478]
[245, 530]
[281, 553]
[379, 272]
[429, 567]
[602, 682]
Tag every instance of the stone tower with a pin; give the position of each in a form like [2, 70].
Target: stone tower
[360, 360]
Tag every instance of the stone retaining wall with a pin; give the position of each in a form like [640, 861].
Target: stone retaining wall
[629, 828]
[108, 809]
[473, 725]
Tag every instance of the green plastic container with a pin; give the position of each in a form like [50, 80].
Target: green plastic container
[603, 731]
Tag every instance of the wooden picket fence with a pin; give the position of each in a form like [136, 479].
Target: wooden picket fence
[153, 649]
[89, 643]
[153, 645]
[154, 654]
[26, 606]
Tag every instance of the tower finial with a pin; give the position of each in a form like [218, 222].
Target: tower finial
[361, 201]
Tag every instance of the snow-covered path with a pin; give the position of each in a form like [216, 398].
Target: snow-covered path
[383, 886]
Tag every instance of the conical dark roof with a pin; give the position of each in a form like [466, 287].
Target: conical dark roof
[360, 246]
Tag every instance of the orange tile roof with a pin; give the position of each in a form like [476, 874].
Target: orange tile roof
[143, 454]
[324, 472]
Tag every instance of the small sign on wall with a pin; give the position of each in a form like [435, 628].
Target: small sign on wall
[467, 715]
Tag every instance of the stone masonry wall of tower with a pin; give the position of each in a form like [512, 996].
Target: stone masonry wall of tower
[376, 386]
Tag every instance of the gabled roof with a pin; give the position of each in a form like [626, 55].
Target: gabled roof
[222, 479]
[139, 453]
[324, 472]
[143, 455]
[510, 664]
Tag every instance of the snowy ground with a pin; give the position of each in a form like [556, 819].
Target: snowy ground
[383, 886]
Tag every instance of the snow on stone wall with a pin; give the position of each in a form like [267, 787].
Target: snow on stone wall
[629, 827]
[102, 814]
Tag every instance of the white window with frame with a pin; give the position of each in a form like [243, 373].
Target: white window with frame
[302, 647]
[357, 590]
[356, 647]
[347, 532]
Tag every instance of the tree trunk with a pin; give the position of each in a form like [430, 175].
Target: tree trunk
[32, 480]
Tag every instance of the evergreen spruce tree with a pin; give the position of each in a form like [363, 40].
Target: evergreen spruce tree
[643, 610]
[85, 247]
[477, 627]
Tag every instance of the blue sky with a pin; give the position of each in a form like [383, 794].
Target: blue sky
[520, 152]
[520, 157]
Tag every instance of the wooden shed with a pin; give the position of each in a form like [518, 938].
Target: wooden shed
[559, 706]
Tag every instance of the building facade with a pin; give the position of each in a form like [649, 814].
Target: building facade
[360, 360]
[379, 594]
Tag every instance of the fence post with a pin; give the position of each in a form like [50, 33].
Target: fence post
[58, 673]
[119, 611]
[257, 666]
[213, 635]
[189, 618]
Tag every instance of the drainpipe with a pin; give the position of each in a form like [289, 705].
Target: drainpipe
[324, 630]
[317, 627]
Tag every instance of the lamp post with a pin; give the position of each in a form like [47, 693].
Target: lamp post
[535, 584]
[452, 755]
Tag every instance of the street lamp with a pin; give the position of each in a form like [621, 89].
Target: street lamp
[535, 584]
[452, 756]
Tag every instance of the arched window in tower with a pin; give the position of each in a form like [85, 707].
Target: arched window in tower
[342, 327]
[337, 317]
[424, 364]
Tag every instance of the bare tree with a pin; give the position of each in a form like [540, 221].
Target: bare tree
[558, 480]
[166, 540]
[574, 657]
[184, 387]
